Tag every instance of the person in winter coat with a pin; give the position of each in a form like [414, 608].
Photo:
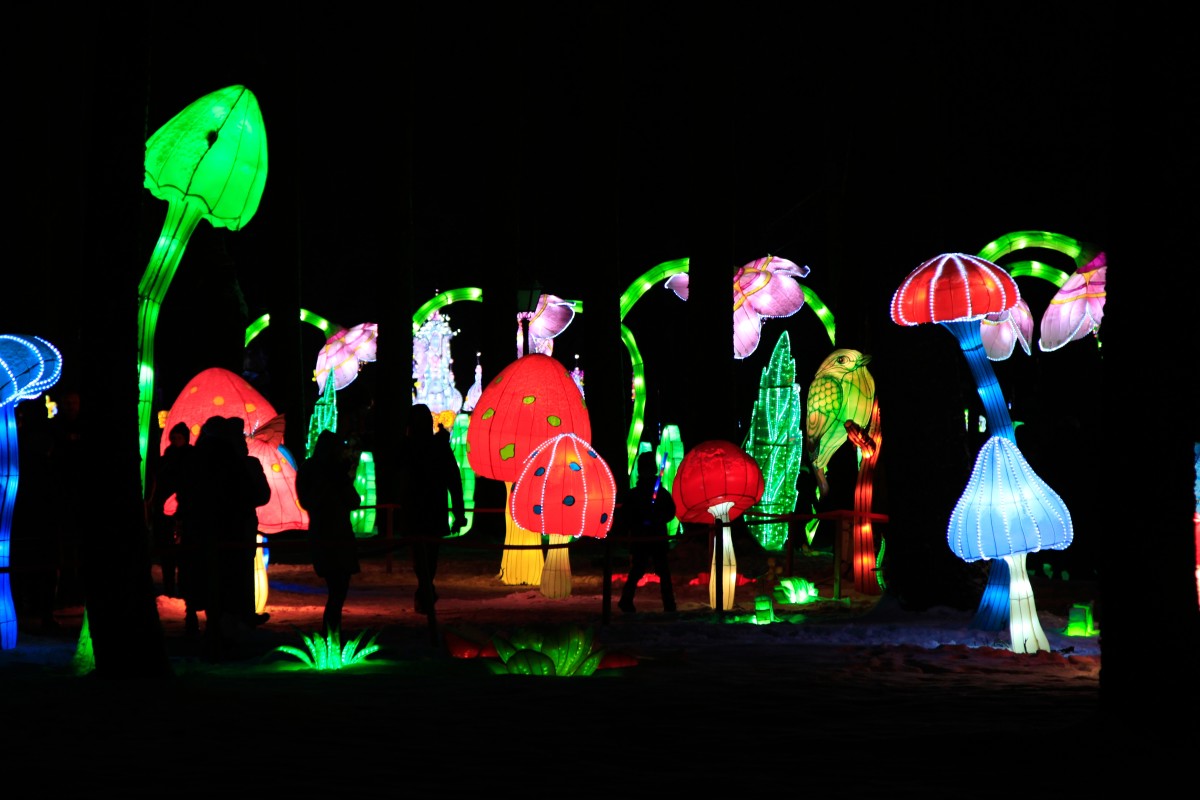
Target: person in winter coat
[642, 516]
[432, 484]
[325, 489]
[219, 491]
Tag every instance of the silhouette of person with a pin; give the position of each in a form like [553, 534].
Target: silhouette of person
[642, 516]
[238, 575]
[220, 490]
[162, 525]
[325, 489]
[430, 478]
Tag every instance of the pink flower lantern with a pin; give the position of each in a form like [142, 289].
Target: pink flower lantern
[764, 288]
[1077, 308]
[1003, 331]
[344, 353]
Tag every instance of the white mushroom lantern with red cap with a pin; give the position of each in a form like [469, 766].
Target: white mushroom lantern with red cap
[1006, 511]
[565, 490]
[715, 482]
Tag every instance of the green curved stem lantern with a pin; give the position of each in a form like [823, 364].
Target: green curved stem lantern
[208, 162]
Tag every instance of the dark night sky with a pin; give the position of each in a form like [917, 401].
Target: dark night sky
[518, 146]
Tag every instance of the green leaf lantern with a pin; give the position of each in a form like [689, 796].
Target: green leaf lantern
[208, 162]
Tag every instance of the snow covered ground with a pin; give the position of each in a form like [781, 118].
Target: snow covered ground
[858, 689]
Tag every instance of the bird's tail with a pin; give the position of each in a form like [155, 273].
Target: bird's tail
[822, 483]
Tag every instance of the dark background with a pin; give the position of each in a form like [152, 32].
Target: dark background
[578, 146]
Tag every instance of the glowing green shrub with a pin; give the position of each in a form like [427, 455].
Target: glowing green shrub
[567, 651]
[327, 652]
[795, 591]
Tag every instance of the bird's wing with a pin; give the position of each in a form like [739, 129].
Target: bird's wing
[825, 398]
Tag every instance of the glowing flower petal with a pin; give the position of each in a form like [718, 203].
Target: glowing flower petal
[1077, 308]
[678, 283]
[769, 286]
[1001, 331]
[766, 287]
[747, 330]
[552, 316]
[344, 353]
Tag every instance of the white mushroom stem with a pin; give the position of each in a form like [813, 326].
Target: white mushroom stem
[728, 561]
[1024, 627]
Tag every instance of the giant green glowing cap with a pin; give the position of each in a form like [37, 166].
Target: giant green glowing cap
[212, 153]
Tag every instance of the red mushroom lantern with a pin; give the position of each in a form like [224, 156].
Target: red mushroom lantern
[715, 482]
[957, 291]
[530, 401]
[565, 490]
[219, 392]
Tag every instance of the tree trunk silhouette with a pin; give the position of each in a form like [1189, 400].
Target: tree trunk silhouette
[126, 633]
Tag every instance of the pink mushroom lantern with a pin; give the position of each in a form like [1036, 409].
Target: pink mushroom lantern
[715, 482]
[530, 401]
[565, 490]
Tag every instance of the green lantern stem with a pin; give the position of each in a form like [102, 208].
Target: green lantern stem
[178, 227]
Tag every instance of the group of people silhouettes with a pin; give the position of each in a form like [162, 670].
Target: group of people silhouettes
[206, 548]
[210, 543]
